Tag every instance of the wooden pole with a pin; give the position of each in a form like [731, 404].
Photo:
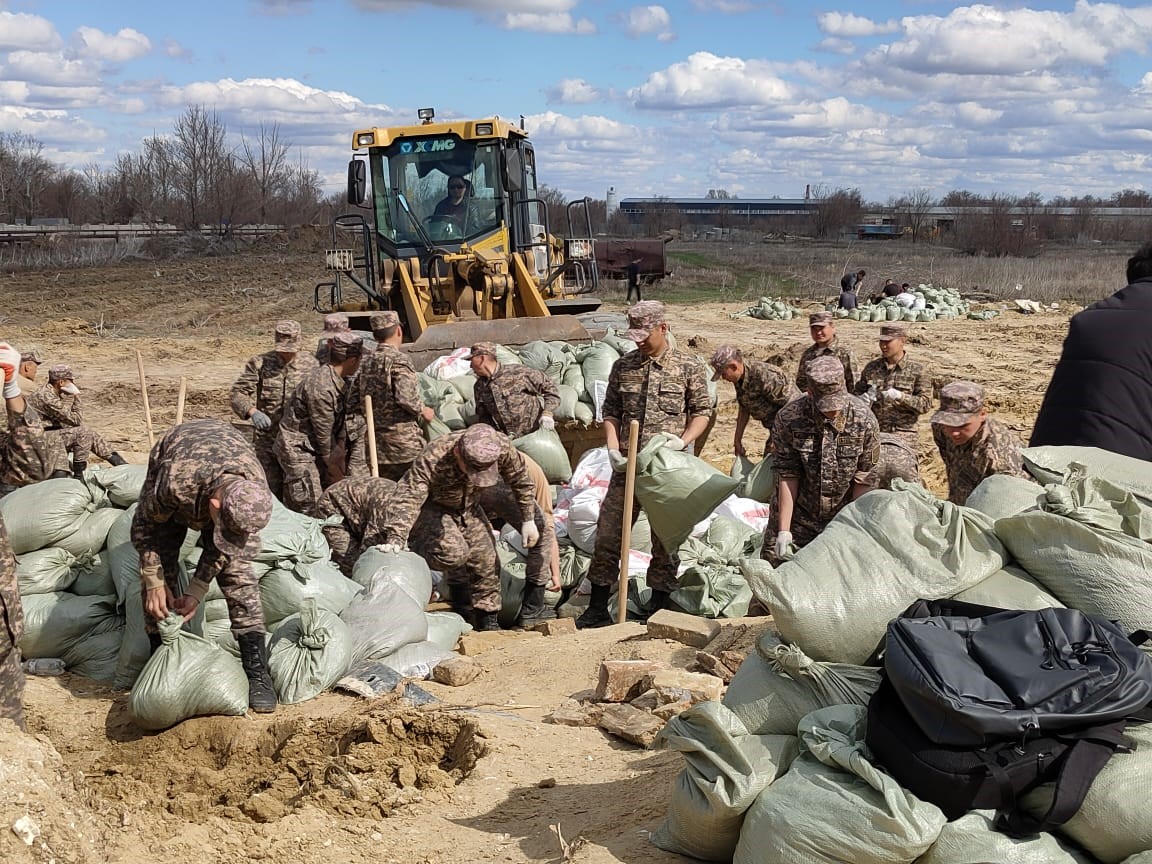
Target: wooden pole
[180, 400]
[144, 396]
[373, 461]
[626, 528]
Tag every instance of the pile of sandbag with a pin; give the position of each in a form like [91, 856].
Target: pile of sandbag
[768, 309]
[928, 304]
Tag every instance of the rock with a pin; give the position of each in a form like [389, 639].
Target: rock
[547, 783]
[575, 714]
[713, 666]
[620, 679]
[479, 641]
[647, 700]
[688, 629]
[556, 627]
[406, 775]
[631, 724]
[702, 688]
[733, 659]
[667, 712]
[456, 671]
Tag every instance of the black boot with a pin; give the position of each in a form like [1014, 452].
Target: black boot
[58, 474]
[487, 621]
[533, 609]
[460, 599]
[597, 614]
[78, 469]
[254, 656]
[116, 459]
[659, 600]
[153, 643]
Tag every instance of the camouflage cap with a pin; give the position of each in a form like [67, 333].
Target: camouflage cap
[385, 320]
[721, 357]
[482, 349]
[32, 355]
[245, 509]
[60, 372]
[826, 383]
[287, 335]
[479, 448]
[960, 401]
[344, 345]
[892, 331]
[337, 322]
[643, 318]
[819, 319]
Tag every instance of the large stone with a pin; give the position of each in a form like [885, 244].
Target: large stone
[688, 629]
[713, 666]
[733, 659]
[631, 724]
[456, 671]
[480, 641]
[668, 682]
[572, 713]
[620, 680]
[556, 627]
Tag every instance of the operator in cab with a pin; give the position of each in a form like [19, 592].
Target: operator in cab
[453, 209]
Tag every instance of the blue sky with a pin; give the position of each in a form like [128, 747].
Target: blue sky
[758, 98]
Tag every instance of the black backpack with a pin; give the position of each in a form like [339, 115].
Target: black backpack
[979, 705]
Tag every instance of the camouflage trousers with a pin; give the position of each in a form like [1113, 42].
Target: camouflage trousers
[898, 458]
[499, 503]
[263, 443]
[11, 675]
[82, 443]
[394, 471]
[346, 548]
[805, 528]
[605, 567]
[237, 579]
[27, 453]
[459, 545]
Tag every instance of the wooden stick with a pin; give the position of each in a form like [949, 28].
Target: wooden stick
[180, 400]
[626, 528]
[373, 462]
[144, 396]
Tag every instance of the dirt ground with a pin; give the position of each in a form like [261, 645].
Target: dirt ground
[339, 779]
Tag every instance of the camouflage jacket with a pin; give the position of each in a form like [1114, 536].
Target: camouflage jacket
[512, 400]
[184, 468]
[360, 502]
[826, 456]
[390, 379]
[995, 449]
[436, 477]
[265, 385]
[27, 454]
[763, 391]
[55, 410]
[663, 393]
[908, 377]
[835, 349]
[10, 609]
[318, 416]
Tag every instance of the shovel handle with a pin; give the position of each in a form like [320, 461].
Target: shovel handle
[626, 527]
[370, 422]
[144, 396]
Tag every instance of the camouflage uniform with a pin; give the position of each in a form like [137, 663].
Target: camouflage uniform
[390, 379]
[65, 420]
[187, 466]
[336, 322]
[994, 449]
[265, 385]
[513, 399]
[663, 393]
[359, 502]
[832, 349]
[763, 391]
[27, 453]
[899, 443]
[500, 502]
[826, 456]
[11, 629]
[437, 509]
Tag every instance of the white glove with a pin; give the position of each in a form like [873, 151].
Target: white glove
[9, 364]
[674, 442]
[261, 420]
[547, 422]
[892, 394]
[870, 397]
[530, 533]
[618, 461]
[783, 544]
[389, 548]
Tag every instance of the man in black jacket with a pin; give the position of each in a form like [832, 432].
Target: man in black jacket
[1100, 394]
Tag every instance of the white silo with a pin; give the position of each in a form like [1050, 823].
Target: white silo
[611, 202]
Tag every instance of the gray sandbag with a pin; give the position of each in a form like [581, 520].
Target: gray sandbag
[617, 342]
[834, 806]
[545, 448]
[93, 576]
[597, 364]
[434, 392]
[710, 584]
[45, 571]
[725, 769]
[91, 533]
[758, 479]
[1141, 858]
[188, 676]
[973, 839]
[53, 623]
[308, 653]
[465, 385]
[569, 398]
[1050, 464]
[435, 428]
[120, 484]
[778, 685]
[677, 490]
[1001, 496]
[573, 376]
[446, 628]
[291, 541]
[1089, 547]
[542, 356]
[389, 612]
[44, 513]
[506, 356]
[283, 592]
[836, 596]
[1010, 588]
[96, 655]
[408, 568]
[451, 414]
[1113, 822]
[417, 659]
[585, 416]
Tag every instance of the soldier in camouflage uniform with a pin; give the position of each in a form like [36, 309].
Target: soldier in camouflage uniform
[360, 503]
[336, 322]
[827, 446]
[436, 509]
[204, 473]
[972, 444]
[58, 404]
[761, 390]
[397, 409]
[899, 392]
[667, 391]
[822, 326]
[11, 629]
[30, 361]
[321, 438]
[515, 400]
[27, 453]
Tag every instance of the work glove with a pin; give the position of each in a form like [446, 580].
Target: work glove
[261, 420]
[389, 548]
[9, 364]
[673, 442]
[530, 533]
[618, 461]
[892, 394]
[870, 397]
[547, 422]
[783, 544]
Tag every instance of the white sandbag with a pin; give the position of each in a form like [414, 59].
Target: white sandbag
[778, 685]
[44, 513]
[752, 513]
[973, 839]
[283, 592]
[91, 534]
[1000, 496]
[407, 568]
[45, 571]
[834, 806]
[836, 596]
[725, 769]
[583, 515]
[53, 623]
[450, 365]
[120, 484]
[96, 655]
[188, 676]
[386, 614]
[1050, 464]
[593, 470]
[1010, 588]
[545, 448]
[1113, 822]
[446, 628]
[93, 576]
[417, 659]
[308, 653]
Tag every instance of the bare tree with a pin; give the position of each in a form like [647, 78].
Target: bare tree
[200, 159]
[24, 175]
[913, 207]
[835, 210]
[266, 160]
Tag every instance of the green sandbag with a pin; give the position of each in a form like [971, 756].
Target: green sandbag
[433, 391]
[45, 571]
[973, 839]
[96, 655]
[893, 313]
[573, 377]
[53, 623]
[283, 592]
[584, 414]
[91, 533]
[465, 385]
[741, 467]
[1050, 464]
[597, 365]
[709, 586]
[537, 355]
[854, 314]
[93, 576]
[451, 414]
[308, 653]
[677, 490]
[621, 345]
[44, 513]
[725, 769]
[187, 676]
[546, 449]
[1001, 496]
[731, 539]
[121, 484]
[760, 484]
[909, 315]
[878, 314]
[566, 410]
[507, 357]
[291, 541]
[1010, 588]
[446, 628]
[434, 428]
[406, 568]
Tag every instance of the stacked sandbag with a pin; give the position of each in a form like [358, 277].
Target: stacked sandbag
[545, 448]
[758, 479]
[710, 583]
[446, 628]
[513, 576]
[308, 653]
[389, 612]
[46, 513]
[1051, 464]
[55, 622]
[1002, 495]
[119, 484]
[445, 399]
[46, 570]
[973, 839]
[1010, 588]
[768, 309]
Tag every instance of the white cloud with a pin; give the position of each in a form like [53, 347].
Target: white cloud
[548, 22]
[176, 50]
[49, 127]
[707, 81]
[37, 67]
[836, 45]
[1145, 86]
[724, 7]
[542, 7]
[572, 91]
[265, 94]
[127, 44]
[19, 31]
[649, 21]
[845, 24]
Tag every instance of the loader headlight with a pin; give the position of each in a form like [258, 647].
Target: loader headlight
[365, 139]
[483, 128]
